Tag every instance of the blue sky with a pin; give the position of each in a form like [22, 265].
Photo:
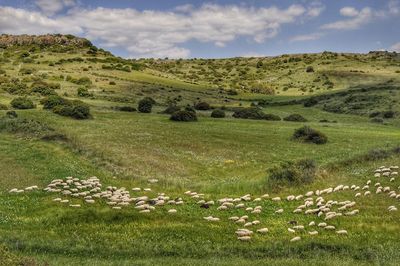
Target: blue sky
[212, 29]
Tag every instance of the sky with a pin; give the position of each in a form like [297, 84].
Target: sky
[212, 29]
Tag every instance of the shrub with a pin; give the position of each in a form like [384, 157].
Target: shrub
[292, 173]
[44, 88]
[295, 118]
[172, 108]
[126, 108]
[184, 116]
[16, 88]
[22, 103]
[112, 83]
[84, 92]
[388, 114]
[218, 113]
[11, 114]
[272, 117]
[145, 105]
[190, 109]
[376, 154]
[52, 101]
[202, 106]
[249, 113]
[310, 102]
[232, 92]
[74, 109]
[309, 69]
[309, 135]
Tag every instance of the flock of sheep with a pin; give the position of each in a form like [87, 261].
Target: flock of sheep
[312, 203]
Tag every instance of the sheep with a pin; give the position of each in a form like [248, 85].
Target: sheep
[291, 230]
[341, 232]
[14, 190]
[248, 224]
[392, 179]
[172, 211]
[243, 232]
[309, 193]
[294, 239]
[276, 199]
[322, 225]
[392, 208]
[298, 227]
[312, 223]
[290, 198]
[233, 218]
[265, 196]
[262, 230]
[357, 195]
[313, 233]
[255, 222]
[244, 238]
[279, 211]
[367, 193]
[330, 227]
[75, 205]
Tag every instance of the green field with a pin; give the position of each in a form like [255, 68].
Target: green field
[219, 158]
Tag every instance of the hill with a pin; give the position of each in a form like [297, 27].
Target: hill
[71, 110]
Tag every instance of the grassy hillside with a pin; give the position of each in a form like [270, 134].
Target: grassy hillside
[221, 158]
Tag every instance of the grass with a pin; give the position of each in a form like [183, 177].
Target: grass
[219, 157]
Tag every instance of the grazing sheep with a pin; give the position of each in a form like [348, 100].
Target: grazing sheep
[341, 232]
[330, 227]
[172, 211]
[312, 223]
[263, 230]
[276, 199]
[244, 238]
[240, 205]
[313, 233]
[291, 230]
[279, 211]
[294, 239]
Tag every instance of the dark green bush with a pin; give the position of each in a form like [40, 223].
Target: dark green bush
[272, 117]
[74, 109]
[309, 69]
[292, 173]
[11, 114]
[172, 108]
[295, 118]
[43, 88]
[145, 105]
[16, 88]
[84, 92]
[112, 83]
[126, 108]
[249, 113]
[310, 102]
[26, 71]
[22, 103]
[218, 113]
[376, 154]
[309, 135]
[184, 116]
[388, 114]
[202, 106]
[52, 101]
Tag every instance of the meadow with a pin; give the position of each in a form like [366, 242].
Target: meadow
[224, 157]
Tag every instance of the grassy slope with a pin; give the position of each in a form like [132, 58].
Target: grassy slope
[134, 147]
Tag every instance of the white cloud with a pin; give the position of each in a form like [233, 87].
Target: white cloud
[155, 33]
[395, 47]
[362, 17]
[51, 7]
[349, 11]
[307, 37]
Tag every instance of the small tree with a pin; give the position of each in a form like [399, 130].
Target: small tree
[145, 105]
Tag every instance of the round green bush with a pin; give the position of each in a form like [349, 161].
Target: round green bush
[145, 105]
[309, 69]
[272, 117]
[51, 101]
[249, 113]
[202, 106]
[218, 113]
[310, 102]
[309, 135]
[22, 103]
[184, 116]
[295, 118]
